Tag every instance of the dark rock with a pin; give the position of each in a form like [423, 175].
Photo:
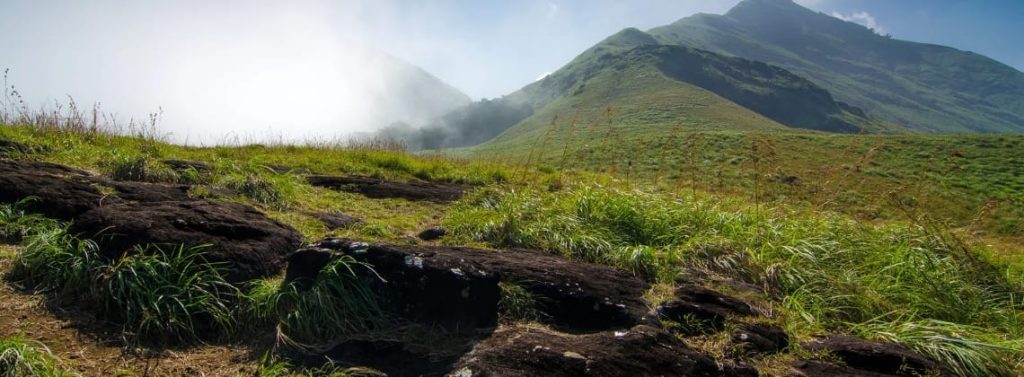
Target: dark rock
[432, 233]
[878, 357]
[10, 148]
[379, 188]
[531, 351]
[248, 243]
[706, 305]
[123, 214]
[304, 266]
[393, 357]
[734, 369]
[182, 165]
[758, 338]
[813, 368]
[335, 220]
[458, 287]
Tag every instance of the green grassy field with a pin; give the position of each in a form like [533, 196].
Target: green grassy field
[971, 182]
[660, 207]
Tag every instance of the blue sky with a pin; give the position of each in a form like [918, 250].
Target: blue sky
[137, 55]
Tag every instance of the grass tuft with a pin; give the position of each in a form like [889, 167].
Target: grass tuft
[21, 358]
[339, 303]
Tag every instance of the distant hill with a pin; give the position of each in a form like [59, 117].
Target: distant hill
[922, 87]
[407, 93]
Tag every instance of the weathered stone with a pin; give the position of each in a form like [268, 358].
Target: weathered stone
[706, 305]
[531, 351]
[432, 233]
[878, 357]
[378, 188]
[760, 338]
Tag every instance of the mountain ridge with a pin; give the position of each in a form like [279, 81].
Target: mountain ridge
[925, 87]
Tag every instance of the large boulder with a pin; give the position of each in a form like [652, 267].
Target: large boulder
[243, 240]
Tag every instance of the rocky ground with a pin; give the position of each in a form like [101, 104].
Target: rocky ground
[586, 319]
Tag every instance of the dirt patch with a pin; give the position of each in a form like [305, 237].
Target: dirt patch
[91, 348]
[533, 351]
[379, 188]
[120, 215]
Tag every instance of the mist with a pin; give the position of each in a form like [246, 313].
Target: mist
[220, 72]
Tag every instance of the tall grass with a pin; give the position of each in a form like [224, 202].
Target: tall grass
[828, 272]
[20, 358]
[172, 296]
[338, 303]
[163, 296]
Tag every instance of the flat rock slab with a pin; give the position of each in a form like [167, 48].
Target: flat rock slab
[876, 357]
[709, 306]
[458, 287]
[378, 188]
[120, 215]
[335, 220]
[182, 165]
[522, 351]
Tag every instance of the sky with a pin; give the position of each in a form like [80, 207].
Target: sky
[233, 67]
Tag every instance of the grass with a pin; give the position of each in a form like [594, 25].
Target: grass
[338, 303]
[159, 296]
[848, 249]
[22, 358]
[970, 182]
[829, 273]
[173, 296]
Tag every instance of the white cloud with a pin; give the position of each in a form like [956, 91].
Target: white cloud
[542, 76]
[862, 18]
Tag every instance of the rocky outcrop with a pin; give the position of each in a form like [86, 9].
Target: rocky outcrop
[120, 215]
[458, 287]
[710, 307]
[875, 357]
[531, 351]
[378, 188]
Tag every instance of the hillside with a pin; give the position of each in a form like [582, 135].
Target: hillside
[652, 86]
[922, 87]
[294, 261]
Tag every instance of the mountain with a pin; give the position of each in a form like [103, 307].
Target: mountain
[919, 86]
[406, 93]
[638, 86]
[631, 79]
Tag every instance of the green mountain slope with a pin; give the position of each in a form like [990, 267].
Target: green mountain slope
[923, 87]
[647, 85]
[630, 85]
